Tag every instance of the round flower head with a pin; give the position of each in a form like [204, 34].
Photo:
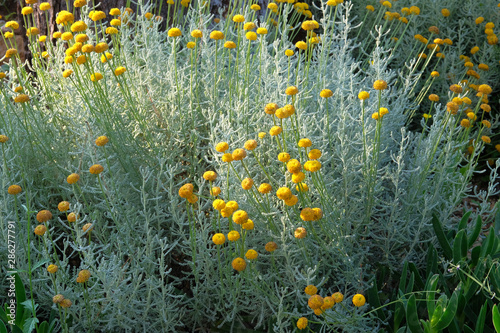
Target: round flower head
[239, 154]
[27, 10]
[101, 141]
[226, 211]
[485, 107]
[233, 236]
[328, 303]
[230, 45]
[63, 206]
[484, 89]
[284, 193]
[305, 143]
[247, 183]
[250, 35]
[456, 88]
[233, 205]
[379, 85]
[238, 18]
[262, 31]
[315, 302]
[283, 157]
[486, 139]
[96, 169]
[96, 77]
[192, 199]
[174, 32]
[219, 204]
[196, 33]
[14, 189]
[312, 166]
[317, 213]
[326, 93]
[210, 176]
[216, 35]
[314, 154]
[52, 269]
[215, 191]
[79, 26]
[250, 145]
[79, 3]
[65, 303]
[57, 299]
[40, 230]
[227, 157]
[4, 138]
[255, 7]
[299, 234]
[465, 123]
[97, 16]
[120, 70]
[21, 98]
[87, 227]
[240, 217]
[249, 26]
[72, 217]
[294, 166]
[302, 323]
[251, 254]
[265, 188]
[222, 147]
[239, 264]
[307, 214]
[275, 130]
[338, 297]
[101, 47]
[358, 300]
[43, 216]
[291, 91]
[301, 45]
[434, 97]
[292, 201]
[289, 53]
[452, 107]
[67, 73]
[271, 246]
[186, 190]
[486, 123]
[248, 225]
[311, 290]
[219, 239]
[83, 276]
[298, 177]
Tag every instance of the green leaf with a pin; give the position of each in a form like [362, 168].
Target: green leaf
[487, 246]
[29, 325]
[436, 315]
[40, 263]
[418, 280]
[476, 252]
[20, 298]
[3, 329]
[481, 319]
[496, 318]
[475, 233]
[374, 300]
[409, 287]
[431, 261]
[463, 222]
[445, 245]
[449, 312]
[457, 246]
[43, 327]
[430, 288]
[467, 329]
[399, 313]
[412, 316]
[402, 280]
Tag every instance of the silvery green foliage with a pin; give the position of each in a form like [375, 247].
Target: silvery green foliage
[151, 257]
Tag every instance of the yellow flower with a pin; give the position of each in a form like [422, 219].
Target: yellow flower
[486, 139]
[239, 154]
[72, 217]
[196, 33]
[326, 93]
[73, 178]
[239, 264]
[251, 35]
[427, 116]
[289, 53]
[52, 269]
[311, 290]
[312, 166]
[210, 176]
[387, 4]
[265, 188]
[305, 143]
[435, 74]
[96, 169]
[21, 98]
[445, 12]
[230, 45]
[27, 10]
[271, 246]
[358, 300]
[247, 183]
[255, 7]
[238, 18]
[97, 15]
[301, 45]
[380, 85]
[12, 24]
[484, 89]
[79, 3]
[233, 205]
[83, 276]
[249, 26]
[248, 225]
[271, 108]
[465, 123]
[101, 141]
[192, 199]
[294, 166]
[283, 157]
[485, 107]
[302, 323]
[314, 154]
[219, 204]
[87, 48]
[233, 236]
[292, 90]
[227, 157]
[43, 216]
[240, 217]
[40, 230]
[78, 26]
[115, 22]
[216, 35]
[57, 299]
[328, 303]
[479, 20]
[222, 147]
[456, 88]
[81, 38]
[284, 193]
[10, 52]
[414, 10]
[14, 189]
[8, 35]
[63, 206]
[300, 233]
[275, 130]
[219, 239]
[250, 145]
[474, 50]
[262, 31]
[298, 177]
[486, 123]
[186, 190]
[111, 31]
[315, 302]
[120, 70]
[95, 77]
[292, 201]
[338, 297]
[363, 95]
[251, 254]
[101, 47]
[370, 8]
[434, 97]
[174, 32]
[65, 303]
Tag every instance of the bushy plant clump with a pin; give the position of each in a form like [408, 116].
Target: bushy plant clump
[245, 170]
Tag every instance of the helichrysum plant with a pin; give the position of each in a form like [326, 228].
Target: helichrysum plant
[242, 167]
